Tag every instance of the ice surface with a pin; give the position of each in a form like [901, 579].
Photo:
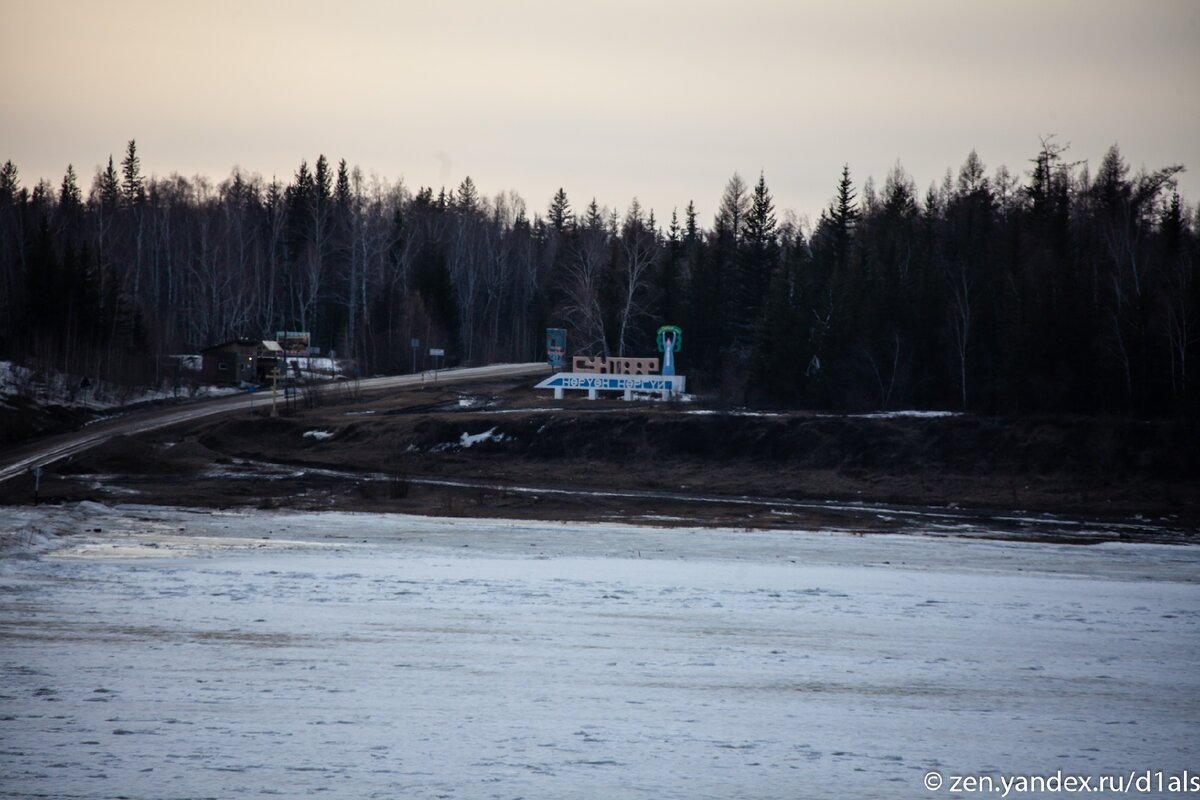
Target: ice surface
[357, 655]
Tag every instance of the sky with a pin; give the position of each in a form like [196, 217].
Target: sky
[662, 100]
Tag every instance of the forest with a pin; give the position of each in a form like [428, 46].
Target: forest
[1049, 290]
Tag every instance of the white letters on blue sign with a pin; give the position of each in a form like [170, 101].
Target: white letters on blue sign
[611, 383]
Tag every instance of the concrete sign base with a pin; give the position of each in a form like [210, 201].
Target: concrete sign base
[666, 385]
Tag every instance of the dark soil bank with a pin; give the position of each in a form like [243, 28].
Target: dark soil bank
[396, 452]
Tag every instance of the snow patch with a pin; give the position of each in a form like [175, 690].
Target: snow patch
[469, 440]
[320, 436]
[13, 378]
[311, 364]
[705, 412]
[60, 389]
[911, 414]
[466, 440]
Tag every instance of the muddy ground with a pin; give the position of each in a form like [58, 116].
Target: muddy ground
[514, 451]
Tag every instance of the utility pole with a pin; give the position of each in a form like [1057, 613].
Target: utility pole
[274, 387]
[438, 353]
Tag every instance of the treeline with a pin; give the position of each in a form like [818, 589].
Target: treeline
[1054, 290]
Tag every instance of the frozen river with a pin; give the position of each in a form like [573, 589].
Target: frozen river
[158, 653]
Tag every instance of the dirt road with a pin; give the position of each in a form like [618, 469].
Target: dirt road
[22, 459]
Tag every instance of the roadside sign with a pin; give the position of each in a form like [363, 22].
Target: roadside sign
[437, 353]
[556, 346]
[666, 386]
[611, 383]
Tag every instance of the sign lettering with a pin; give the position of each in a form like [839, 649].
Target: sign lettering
[615, 383]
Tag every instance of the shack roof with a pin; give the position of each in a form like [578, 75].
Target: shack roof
[233, 343]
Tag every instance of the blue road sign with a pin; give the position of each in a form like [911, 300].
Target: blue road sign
[614, 383]
[556, 346]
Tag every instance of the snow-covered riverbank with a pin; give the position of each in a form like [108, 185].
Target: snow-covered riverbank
[176, 653]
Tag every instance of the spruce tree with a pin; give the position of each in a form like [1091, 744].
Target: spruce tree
[594, 220]
[69, 195]
[133, 186]
[10, 186]
[691, 227]
[322, 181]
[559, 212]
[780, 348]
[468, 195]
[757, 258]
[669, 289]
[844, 216]
[108, 186]
[341, 191]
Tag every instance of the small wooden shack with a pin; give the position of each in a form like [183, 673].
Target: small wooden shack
[235, 361]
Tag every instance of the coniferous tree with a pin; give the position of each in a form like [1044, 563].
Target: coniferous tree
[833, 294]
[844, 216]
[1056, 290]
[782, 354]
[12, 248]
[69, 193]
[976, 280]
[883, 349]
[670, 282]
[757, 259]
[10, 185]
[559, 213]
[468, 195]
[594, 220]
[707, 328]
[691, 228]
[1180, 302]
[133, 188]
[300, 200]
[109, 187]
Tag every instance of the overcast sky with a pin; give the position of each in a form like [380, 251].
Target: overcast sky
[658, 100]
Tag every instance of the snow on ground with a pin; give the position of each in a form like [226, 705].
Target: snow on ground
[907, 414]
[707, 412]
[13, 378]
[312, 363]
[467, 440]
[58, 389]
[166, 653]
[320, 436]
